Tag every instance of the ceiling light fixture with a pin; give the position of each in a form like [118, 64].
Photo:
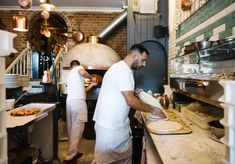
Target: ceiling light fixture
[46, 5]
[20, 23]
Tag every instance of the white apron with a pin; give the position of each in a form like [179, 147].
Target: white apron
[112, 145]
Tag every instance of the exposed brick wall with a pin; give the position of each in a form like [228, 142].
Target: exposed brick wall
[89, 23]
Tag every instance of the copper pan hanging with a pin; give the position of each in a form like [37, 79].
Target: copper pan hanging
[25, 4]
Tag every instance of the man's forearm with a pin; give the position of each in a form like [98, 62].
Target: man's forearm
[136, 104]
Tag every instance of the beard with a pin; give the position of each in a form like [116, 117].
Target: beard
[135, 65]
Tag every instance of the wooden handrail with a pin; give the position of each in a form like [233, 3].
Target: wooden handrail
[58, 56]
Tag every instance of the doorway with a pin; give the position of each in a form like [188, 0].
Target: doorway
[154, 75]
[46, 38]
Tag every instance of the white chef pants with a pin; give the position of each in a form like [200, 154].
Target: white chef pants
[113, 146]
[76, 116]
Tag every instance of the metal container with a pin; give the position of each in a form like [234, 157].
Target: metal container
[203, 44]
[216, 128]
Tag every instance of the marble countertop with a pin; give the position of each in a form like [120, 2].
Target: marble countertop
[18, 121]
[195, 147]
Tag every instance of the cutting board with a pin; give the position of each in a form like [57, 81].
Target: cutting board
[172, 116]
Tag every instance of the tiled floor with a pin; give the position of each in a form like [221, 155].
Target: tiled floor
[85, 146]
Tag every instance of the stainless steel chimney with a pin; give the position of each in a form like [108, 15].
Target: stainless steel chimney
[113, 25]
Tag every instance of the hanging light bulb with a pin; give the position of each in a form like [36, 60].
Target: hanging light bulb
[45, 14]
[46, 32]
[46, 5]
[20, 23]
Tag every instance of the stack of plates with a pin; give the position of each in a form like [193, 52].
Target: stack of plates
[11, 80]
[24, 80]
[228, 120]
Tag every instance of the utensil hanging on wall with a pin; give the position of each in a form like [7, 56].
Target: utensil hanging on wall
[186, 5]
[77, 36]
[25, 4]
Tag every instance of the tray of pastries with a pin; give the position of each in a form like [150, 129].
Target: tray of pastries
[25, 112]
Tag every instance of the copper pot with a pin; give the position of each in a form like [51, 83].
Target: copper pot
[203, 44]
[77, 36]
[189, 48]
[186, 5]
[164, 101]
[93, 39]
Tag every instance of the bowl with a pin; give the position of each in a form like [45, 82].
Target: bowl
[203, 44]
[216, 128]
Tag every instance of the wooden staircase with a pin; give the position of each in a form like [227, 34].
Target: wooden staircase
[22, 65]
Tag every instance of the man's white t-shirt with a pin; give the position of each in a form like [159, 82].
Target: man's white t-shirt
[76, 85]
[111, 109]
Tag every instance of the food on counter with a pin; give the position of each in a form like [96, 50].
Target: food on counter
[223, 76]
[164, 126]
[25, 112]
[201, 114]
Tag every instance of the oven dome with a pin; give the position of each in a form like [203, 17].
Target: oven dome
[92, 56]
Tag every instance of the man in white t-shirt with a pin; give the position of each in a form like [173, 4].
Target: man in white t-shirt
[117, 95]
[76, 108]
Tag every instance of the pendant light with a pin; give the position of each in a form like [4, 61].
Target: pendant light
[20, 23]
[46, 5]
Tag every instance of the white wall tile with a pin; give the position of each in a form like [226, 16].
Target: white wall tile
[214, 37]
[219, 29]
[200, 38]
[187, 43]
[233, 30]
[216, 17]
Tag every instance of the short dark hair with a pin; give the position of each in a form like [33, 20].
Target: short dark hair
[74, 63]
[139, 48]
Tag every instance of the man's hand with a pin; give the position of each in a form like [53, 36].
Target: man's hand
[93, 83]
[158, 112]
[93, 79]
[138, 116]
[137, 91]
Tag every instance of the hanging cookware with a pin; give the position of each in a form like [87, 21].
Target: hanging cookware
[203, 44]
[25, 4]
[189, 48]
[77, 36]
[186, 5]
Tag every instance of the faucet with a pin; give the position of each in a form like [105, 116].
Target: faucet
[20, 97]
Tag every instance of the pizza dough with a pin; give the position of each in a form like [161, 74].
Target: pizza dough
[148, 99]
[164, 126]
